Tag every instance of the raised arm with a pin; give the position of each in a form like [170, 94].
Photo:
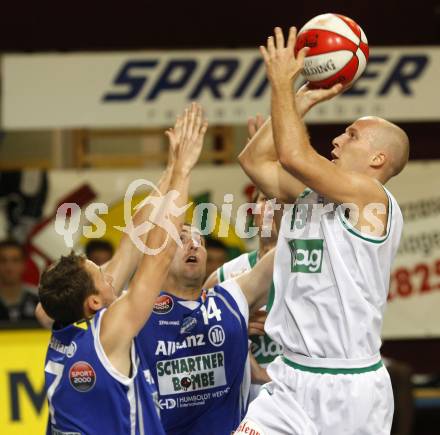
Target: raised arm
[127, 315]
[255, 283]
[212, 280]
[259, 159]
[126, 257]
[292, 143]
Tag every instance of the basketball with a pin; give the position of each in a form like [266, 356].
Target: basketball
[338, 50]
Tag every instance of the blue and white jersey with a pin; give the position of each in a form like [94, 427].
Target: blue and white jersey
[198, 354]
[87, 395]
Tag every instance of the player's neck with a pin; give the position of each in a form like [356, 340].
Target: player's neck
[183, 290]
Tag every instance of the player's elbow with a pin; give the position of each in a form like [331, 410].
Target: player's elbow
[289, 162]
[245, 159]
[292, 161]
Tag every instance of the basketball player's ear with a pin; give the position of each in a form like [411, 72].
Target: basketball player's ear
[378, 160]
[93, 303]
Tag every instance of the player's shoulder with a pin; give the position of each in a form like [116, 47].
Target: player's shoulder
[231, 296]
[237, 266]
[394, 211]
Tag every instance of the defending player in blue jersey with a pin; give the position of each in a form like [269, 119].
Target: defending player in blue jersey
[97, 381]
[196, 342]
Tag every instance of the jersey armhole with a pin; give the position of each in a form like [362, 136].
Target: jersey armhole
[220, 274]
[104, 360]
[237, 294]
[367, 237]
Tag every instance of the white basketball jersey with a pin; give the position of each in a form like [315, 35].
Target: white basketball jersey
[331, 281]
[237, 266]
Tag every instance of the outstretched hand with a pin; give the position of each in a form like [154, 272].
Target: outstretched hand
[306, 97]
[253, 125]
[186, 137]
[281, 64]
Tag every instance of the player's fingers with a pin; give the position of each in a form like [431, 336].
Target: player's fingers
[291, 40]
[257, 322]
[303, 89]
[171, 136]
[259, 121]
[326, 94]
[192, 119]
[264, 53]
[301, 56]
[178, 126]
[197, 120]
[203, 128]
[336, 89]
[257, 325]
[279, 37]
[260, 314]
[178, 123]
[252, 127]
[185, 122]
[255, 331]
[271, 46]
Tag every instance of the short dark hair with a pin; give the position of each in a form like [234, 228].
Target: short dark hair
[98, 245]
[11, 243]
[216, 244]
[64, 287]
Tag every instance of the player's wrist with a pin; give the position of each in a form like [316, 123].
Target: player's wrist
[281, 84]
[182, 170]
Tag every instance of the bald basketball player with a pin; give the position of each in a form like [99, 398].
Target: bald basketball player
[332, 264]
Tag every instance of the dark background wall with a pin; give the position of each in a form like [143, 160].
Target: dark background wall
[111, 25]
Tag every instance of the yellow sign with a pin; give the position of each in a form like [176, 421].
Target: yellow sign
[23, 409]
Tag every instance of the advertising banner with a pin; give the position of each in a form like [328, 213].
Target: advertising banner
[148, 89]
[23, 407]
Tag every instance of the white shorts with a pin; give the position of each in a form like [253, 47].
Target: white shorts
[301, 402]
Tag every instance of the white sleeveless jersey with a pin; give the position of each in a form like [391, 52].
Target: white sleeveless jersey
[331, 282]
[237, 266]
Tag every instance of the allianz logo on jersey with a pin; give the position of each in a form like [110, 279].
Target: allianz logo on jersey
[306, 255]
[170, 347]
[67, 349]
[216, 336]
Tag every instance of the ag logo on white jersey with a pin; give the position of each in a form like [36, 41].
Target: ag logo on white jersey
[306, 255]
[216, 335]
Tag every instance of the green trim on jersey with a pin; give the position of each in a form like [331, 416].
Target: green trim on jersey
[221, 274]
[271, 297]
[351, 229]
[253, 257]
[330, 371]
[305, 192]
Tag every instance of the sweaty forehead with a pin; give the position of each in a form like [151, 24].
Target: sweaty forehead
[368, 122]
